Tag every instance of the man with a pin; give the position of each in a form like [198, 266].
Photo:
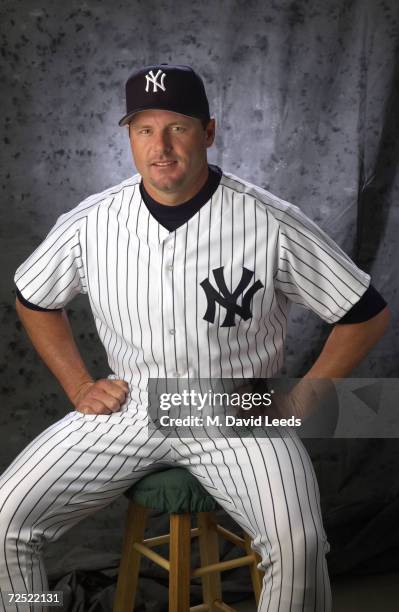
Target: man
[189, 272]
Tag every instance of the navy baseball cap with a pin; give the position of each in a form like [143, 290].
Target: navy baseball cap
[166, 87]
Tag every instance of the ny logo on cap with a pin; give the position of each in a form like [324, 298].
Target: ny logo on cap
[153, 78]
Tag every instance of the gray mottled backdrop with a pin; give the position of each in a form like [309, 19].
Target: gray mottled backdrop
[305, 94]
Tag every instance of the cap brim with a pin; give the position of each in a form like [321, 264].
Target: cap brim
[126, 119]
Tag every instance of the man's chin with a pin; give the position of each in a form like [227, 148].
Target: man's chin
[167, 185]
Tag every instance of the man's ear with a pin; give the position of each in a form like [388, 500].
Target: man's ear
[210, 132]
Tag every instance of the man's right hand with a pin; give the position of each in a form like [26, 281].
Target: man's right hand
[103, 396]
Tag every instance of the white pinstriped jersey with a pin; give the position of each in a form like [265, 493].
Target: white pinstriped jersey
[209, 299]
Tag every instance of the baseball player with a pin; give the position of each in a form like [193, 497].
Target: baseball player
[189, 272]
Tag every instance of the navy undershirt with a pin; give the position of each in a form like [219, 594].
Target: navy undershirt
[172, 217]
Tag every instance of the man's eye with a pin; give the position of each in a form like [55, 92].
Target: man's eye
[144, 131]
[178, 128]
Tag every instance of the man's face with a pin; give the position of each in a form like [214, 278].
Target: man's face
[169, 151]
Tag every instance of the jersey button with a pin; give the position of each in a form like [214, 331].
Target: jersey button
[176, 374]
[170, 267]
[172, 332]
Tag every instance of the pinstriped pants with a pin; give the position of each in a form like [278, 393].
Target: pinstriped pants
[82, 463]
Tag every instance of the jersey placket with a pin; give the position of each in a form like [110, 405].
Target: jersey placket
[170, 317]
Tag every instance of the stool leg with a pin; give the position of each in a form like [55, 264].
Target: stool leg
[180, 562]
[256, 575]
[130, 559]
[209, 553]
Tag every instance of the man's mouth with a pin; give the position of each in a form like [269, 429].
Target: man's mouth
[164, 164]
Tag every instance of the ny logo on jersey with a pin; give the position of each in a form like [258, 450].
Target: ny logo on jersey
[153, 78]
[227, 299]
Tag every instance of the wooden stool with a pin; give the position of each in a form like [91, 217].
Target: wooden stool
[179, 493]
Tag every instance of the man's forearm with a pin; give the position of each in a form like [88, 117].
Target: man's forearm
[345, 347]
[51, 335]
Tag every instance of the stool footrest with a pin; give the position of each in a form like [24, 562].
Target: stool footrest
[220, 605]
[223, 565]
[151, 554]
[165, 539]
[232, 537]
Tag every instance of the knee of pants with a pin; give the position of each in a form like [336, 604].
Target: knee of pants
[297, 540]
[15, 525]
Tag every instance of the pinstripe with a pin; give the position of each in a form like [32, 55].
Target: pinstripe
[248, 351]
[275, 351]
[148, 300]
[129, 318]
[108, 273]
[220, 264]
[162, 312]
[97, 234]
[174, 338]
[141, 305]
[185, 302]
[263, 311]
[196, 298]
[130, 298]
[240, 351]
[138, 301]
[255, 270]
[209, 273]
[86, 258]
[118, 312]
[231, 281]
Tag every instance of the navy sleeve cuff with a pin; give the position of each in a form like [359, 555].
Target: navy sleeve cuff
[33, 306]
[369, 305]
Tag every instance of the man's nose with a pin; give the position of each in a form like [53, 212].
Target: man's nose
[162, 142]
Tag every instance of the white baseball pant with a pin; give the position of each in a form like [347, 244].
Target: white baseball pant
[82, 463]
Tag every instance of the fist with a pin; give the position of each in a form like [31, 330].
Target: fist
[103, 396]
